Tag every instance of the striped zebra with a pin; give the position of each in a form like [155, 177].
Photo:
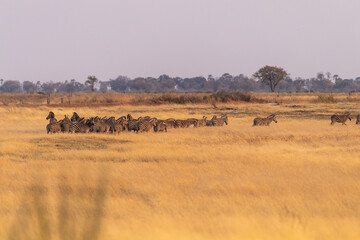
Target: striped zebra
[192, 121]
[182, 124]
[147, 125]
[358, 119]
[209, 123]
[161, 126]
[108, 122]
[201, 122]
[54, 125]
[212, 122]
[129, 117]
[340, 118]
[119, 125]
[144, 118]
[220, 121]
[264, 121]
[123, 118]
[133, 125]
[102, 125]
[65, 124]
[75, 117]
[170, 123]
[80, 126]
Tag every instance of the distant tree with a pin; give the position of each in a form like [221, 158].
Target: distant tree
[138, 84]
[320, 76]
[1, 81]
[120, 84]
[11, 86]
[346, 85]
[321, 85]
[38, 86]
[286, 86]
[104, 86]
[194, 84]
[71, 86]
[211, 85]
[91, 81]
[77, 86]
[271, 76]
[328, 75]
[151, 85]
[243, 83]
[165, 84]
[29, 86]
[210, 77]
[299, 85]
[48, 87]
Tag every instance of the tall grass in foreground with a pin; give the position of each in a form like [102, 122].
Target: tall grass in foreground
[36, 220]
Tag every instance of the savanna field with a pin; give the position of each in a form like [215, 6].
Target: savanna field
[296, 179]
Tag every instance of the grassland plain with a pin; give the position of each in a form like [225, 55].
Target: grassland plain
[297, 179]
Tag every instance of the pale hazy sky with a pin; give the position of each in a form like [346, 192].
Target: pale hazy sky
[64, 39]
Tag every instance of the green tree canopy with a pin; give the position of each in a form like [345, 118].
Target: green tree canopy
[271, 76]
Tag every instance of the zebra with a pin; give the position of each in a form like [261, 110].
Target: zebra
[358, 119]
[65, 124]
[192, 121]
[340, 118]
[220, 121]
[132, 125]
[144, 118]
[161, 126]
[119, 125]
[212, 122]
[129, 117]
[209, 123]
[75, 117]
[121, 118]
[182, 124]
[264, 121]
[201, 122]
[170, 123]
[82, 125]
[147, 125]
[79, 127]
[102, 125]
[108, 122]
[54, 125]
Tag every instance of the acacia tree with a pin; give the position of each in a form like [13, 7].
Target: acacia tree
[271, 76]
[91, 81]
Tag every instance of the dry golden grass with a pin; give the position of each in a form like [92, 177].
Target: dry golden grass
[298, 179]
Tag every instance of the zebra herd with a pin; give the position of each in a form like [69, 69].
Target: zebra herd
[77, 124]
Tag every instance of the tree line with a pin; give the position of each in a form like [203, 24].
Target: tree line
[266, 79]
